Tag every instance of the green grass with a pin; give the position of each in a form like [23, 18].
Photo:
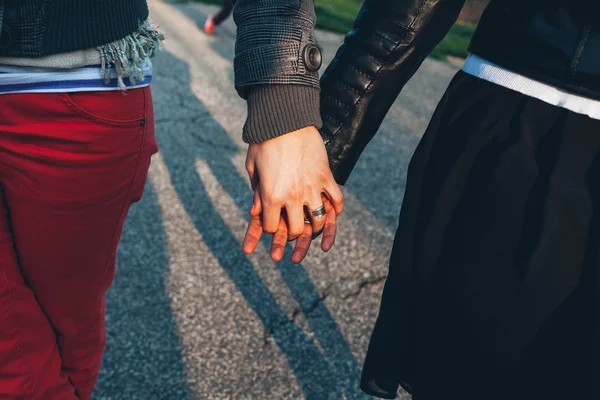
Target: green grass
[455, 43]
[338, 16]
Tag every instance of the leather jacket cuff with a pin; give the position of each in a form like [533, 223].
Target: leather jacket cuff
[274, 110]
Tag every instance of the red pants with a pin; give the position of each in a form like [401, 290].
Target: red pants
[70, 167]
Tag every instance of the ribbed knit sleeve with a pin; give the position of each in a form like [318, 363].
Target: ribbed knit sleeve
[271, 72]
[274, 110]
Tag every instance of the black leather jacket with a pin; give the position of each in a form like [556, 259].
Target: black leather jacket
[553, 41]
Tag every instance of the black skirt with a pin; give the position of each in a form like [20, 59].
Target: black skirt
[493, 284]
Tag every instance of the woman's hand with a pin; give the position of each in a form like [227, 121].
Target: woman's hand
[291, 173]
[280, 238]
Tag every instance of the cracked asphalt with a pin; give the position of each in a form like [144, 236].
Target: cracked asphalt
[190, 316]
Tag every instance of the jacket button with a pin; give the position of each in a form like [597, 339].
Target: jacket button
[312, 57]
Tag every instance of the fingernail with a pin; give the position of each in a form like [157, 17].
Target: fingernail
[276, 256]
[294, 256]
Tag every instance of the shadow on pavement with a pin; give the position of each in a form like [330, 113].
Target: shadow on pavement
[142, 359]
[320, 375]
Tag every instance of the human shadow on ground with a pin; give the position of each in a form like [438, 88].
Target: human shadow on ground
[143, 355]
[138, 308]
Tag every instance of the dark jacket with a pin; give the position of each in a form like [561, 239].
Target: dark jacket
[552, 41]
[272, 70]
[555, 42]
[33, 28]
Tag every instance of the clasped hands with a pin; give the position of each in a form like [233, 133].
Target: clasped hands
[291, 179]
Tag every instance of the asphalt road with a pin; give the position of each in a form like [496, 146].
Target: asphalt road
[190, 316]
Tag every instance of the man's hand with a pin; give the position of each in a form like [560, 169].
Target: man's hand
[280, 238]
[292, 172]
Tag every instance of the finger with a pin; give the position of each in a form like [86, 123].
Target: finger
[330, 229]
[256, 208]
[335, 195]
[279, 241]
[271, 213]
[318, 221]
[253, 234]
[302, 244]
[295, 220]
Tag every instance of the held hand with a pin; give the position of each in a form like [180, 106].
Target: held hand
[280, 238]
[291, 172]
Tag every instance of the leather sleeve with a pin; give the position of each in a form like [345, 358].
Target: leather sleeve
[270, 72]
[389, 42]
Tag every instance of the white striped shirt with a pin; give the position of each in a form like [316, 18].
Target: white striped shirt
[18, 79]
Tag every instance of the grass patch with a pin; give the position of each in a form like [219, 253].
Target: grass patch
[455, 43]
[338, 16]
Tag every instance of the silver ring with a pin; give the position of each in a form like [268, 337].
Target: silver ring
[307, 221]
[318, 212]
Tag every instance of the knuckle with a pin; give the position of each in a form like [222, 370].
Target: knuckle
[294, 192]
[305, 238]
[326, 175]
[272, 199]
[253, 238]
[280, 236]
[279, 241]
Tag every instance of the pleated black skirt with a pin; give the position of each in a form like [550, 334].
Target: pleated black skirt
[493, 285]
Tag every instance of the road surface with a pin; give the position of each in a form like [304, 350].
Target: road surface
[190, 316]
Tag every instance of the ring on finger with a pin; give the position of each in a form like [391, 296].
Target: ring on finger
[315, 234]
[318, 212]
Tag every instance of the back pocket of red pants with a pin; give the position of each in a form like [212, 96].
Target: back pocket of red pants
[15, 379]
[121, 108]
